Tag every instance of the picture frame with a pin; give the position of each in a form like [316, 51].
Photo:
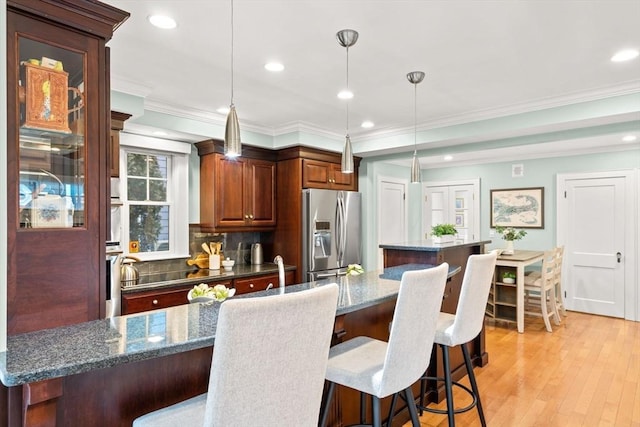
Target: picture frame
[517, 207]
[459, 220]
[459, 203]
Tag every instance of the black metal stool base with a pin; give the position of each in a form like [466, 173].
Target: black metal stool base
[457, 410]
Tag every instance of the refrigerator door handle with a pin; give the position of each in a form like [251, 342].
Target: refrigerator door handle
[339, 229]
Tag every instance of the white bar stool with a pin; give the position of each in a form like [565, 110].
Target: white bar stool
[272, 347]
[380, 368]
[453, 330]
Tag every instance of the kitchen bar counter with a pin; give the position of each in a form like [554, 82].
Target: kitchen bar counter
[74, 349]
[108, 372]
[429, 246]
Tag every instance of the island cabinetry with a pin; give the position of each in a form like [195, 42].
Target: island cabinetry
[298, 168]
[117, 124]
[57, 153]
[237, 194]
[323, 174]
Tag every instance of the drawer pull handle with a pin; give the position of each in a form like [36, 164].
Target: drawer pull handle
[155, 302]
[269, 286]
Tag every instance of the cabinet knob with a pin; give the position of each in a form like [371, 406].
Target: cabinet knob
[251, 285]
[246, 217]
[250, 216]
[155, 302]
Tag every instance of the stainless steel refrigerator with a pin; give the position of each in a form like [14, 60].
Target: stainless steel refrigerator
[331, 230]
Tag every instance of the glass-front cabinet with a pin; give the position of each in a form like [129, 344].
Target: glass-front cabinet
[58, 120]
[51, 149]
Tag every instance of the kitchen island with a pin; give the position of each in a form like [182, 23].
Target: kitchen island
[108, 372]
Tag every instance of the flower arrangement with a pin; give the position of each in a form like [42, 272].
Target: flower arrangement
[510, 233]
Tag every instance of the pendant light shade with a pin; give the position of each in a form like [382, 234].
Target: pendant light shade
[414, 78]
[232, 143]
[347, 38]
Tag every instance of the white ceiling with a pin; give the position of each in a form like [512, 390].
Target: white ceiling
[482, 59]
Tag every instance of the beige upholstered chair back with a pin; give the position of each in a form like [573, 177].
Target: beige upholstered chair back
[269, 359]
[413, 329]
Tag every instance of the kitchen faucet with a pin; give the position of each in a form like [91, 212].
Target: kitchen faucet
[279, 262]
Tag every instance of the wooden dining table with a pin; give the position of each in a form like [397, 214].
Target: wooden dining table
[520, 260]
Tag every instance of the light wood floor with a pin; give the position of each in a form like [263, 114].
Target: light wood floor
[585, 373]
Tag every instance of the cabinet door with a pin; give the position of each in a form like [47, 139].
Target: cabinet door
[229, 194]
[315, 174]
[56, 199]
[261, 206]
[341, 181]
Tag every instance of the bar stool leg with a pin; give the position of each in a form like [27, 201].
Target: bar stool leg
[472, 380]
[448, 385]
[411, 404]
[327, 403]
[375, 408]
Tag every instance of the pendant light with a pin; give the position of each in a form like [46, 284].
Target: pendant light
[232, 143]
[347, 38]
[415, 77]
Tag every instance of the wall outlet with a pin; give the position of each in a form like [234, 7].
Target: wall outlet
[492, 233]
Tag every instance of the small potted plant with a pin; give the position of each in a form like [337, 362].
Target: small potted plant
[510, 234]
[443, 233]
[508, 277]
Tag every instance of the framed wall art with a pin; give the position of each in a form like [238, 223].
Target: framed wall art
[518, 207]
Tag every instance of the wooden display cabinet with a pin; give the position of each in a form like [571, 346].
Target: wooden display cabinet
[237, 194]
[57, 180]
[502, 297]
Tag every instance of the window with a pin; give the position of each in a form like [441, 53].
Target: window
[152, 188]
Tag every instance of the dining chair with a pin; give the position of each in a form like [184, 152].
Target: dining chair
[558, 282]
[268, 366]
[542, 287]
[380, 369]
[458, 329]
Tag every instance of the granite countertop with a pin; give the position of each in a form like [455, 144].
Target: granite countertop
[429, 246]
[195, 276]
[74, 349]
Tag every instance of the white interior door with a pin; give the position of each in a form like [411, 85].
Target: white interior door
[392, 213]
[455, 202]
[594, 225]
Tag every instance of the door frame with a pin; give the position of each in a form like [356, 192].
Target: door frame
[632, 239]
[405, 183]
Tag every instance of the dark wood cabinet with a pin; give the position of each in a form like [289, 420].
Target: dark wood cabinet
[260, 283]
[323, 174]
[57, 152]
[237, 194]
[161, 298]
[117, 124]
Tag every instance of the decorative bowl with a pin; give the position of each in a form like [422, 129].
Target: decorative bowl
[228, 264]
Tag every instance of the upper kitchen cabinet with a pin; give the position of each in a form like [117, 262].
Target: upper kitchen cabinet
[237, 194]
[58, 124]
[321, 169]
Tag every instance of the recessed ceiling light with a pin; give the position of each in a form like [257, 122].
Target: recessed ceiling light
[162, 21]
[345, 94]
[273, 66]
[223, 110]
[367, 124]
[624, 55]
[160, 133]
[448, 157]
[629, 138]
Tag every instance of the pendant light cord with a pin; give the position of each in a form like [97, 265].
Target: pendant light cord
[231, 52]
[348, 90]
[415, 118]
